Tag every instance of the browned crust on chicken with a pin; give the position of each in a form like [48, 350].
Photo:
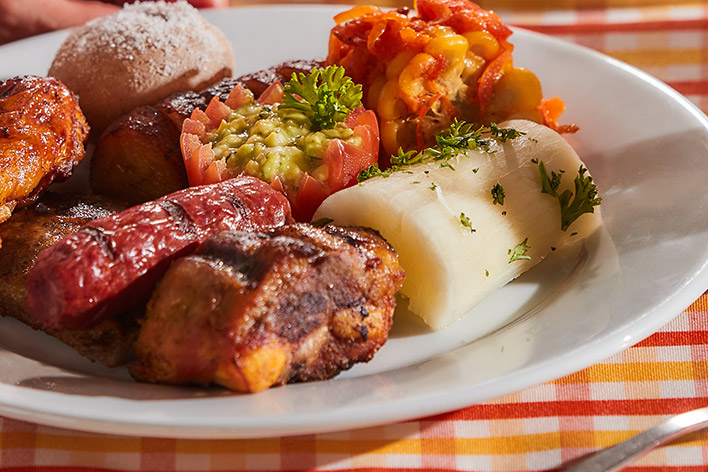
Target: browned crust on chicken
[35, 228]
[42, 136]
[254, 310]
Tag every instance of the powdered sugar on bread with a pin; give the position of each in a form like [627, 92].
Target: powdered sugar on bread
[140, 55]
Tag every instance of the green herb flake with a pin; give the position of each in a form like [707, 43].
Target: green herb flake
[504, 213]
[519, 251]
[466, 222]
[498, 194]
[504, 134]
[320, 222]
[433, 186]
[486, 273]
[326, 96]
[475, 170]
[371, 171]
[450, 143]
[447, 164]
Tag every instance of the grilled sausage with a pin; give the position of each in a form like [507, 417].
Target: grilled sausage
[111, 264]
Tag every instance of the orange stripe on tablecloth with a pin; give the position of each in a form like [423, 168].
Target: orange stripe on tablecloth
[580, 28]
[659, 57]
[526, 443]
[84, 443]
[636, 372]
[494, 411]
[376, 446]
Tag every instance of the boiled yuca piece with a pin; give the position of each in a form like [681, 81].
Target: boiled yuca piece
[467, 225]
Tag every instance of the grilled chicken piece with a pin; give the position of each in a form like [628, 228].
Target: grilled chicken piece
[37, 227]
[254, 310]
[42, 136]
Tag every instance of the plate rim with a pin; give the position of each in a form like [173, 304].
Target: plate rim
[452, 399]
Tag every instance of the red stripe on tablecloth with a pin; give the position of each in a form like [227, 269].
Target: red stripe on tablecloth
[691, 87]
[676, 338]
[576, 28]
[661, 406]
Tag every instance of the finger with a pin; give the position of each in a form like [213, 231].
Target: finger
[22, 18]
[210, 3]
[196, 3]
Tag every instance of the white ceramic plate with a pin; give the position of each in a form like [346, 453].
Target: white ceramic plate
[647, 148]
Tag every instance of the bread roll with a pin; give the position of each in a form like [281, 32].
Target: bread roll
[139, 56]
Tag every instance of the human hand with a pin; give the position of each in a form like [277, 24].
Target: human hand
[23, 18]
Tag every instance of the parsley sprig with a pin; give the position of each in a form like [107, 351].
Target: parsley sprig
[326, 96]
[572, 205]
[451, 142]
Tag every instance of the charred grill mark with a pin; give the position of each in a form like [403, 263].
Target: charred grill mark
[103, 240]
[179, 215]
[364, 331]
[238, 206]
[300, 315]
[344, 295]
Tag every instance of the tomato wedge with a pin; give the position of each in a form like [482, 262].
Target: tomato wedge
[305, 181]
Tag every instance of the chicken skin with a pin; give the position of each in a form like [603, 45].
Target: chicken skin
[42, 136]
[254, 310]
[31, 230]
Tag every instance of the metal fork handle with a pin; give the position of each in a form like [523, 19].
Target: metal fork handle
[618, 456]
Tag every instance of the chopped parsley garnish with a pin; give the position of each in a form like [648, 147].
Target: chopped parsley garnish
[326, 96]
[371, 171]
[504, 134]
[433, 186]
[319, 223]
[462, 135]
[451, 142]
[498, 194]
[519, 252]
[466, 222]
[486, 273]
[572, 205]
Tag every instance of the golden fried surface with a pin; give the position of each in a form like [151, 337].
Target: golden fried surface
[42, 136]
[255, 310]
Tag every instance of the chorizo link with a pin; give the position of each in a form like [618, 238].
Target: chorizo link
[112, 264]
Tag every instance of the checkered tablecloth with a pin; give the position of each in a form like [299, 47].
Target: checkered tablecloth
[536, 429]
